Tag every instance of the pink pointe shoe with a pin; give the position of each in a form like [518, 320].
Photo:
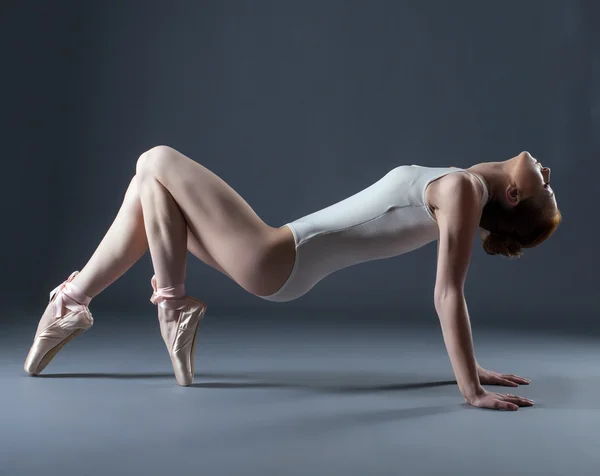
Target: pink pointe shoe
[55, 329]
[179, 318]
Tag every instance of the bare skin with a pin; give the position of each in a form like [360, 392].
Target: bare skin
[456, 201]
[512, 180]
[256, 256]
[174, 204]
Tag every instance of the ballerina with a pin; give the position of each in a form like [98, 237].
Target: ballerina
[174, 204]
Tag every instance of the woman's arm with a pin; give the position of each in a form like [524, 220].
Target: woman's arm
[458, 219]
[458, 216]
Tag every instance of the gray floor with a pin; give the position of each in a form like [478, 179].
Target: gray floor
[295, 398]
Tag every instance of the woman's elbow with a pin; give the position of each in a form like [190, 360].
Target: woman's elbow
[447, 293]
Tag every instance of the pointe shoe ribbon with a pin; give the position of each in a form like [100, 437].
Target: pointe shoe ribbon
[169, 297]
[73, 300]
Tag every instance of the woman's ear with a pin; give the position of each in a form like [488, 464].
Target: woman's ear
[512, 194]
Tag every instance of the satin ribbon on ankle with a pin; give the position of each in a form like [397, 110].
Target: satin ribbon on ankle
[169, 297]
[69, 296]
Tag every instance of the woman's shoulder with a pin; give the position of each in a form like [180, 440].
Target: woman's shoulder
[457, 192]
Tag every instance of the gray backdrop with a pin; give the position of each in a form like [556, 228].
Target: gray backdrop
[298, 105]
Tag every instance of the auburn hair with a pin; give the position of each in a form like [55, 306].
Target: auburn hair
[525, 225]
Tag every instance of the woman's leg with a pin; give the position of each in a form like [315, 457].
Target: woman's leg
[124, 244]
[179, 196]
[171, 203]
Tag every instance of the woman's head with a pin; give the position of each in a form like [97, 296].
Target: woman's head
[523, 213]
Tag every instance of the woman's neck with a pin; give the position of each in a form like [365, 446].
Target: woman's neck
[495, 175]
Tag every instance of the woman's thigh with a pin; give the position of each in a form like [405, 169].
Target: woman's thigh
[196, 249]
[255, 255]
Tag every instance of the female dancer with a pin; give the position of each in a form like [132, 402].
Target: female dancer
[174, 204]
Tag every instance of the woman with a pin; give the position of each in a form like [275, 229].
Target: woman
[174, 204]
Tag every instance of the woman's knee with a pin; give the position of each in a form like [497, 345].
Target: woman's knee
[154, 161]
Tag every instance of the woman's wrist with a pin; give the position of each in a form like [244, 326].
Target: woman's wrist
[472, 391]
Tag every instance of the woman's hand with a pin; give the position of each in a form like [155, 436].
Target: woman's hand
[487, 377]
[498, 401]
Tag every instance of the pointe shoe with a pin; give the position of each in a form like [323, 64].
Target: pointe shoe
[66, 316]
[179, 318]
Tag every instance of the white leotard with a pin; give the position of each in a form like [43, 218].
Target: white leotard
[388, 218]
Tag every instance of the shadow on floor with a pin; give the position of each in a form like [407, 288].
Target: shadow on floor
[345, 383]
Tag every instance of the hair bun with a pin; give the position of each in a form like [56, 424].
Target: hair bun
[496, 244]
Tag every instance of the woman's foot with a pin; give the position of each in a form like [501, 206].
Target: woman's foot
[179, 317]
[66, 316]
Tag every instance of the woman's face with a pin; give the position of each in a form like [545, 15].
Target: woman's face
[531, 177]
